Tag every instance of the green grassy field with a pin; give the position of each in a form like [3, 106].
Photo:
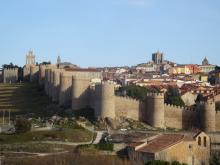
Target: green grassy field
[22, 98]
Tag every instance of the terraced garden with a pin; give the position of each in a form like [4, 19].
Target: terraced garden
[22, 98]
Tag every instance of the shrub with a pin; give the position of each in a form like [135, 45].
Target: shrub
[100, 146]
[137, 92]
[105, 146]
[215, 158]
[22, 125]
[172, 96]
[160, 162]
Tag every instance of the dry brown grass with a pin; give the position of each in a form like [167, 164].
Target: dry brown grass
[70, 159]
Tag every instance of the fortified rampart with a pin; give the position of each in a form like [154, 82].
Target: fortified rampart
[129, 108]
[26, 73]
[217, 121]
[73, 87]
[34, 73]
[10, 75]
[155, 109]
[65, 89]
[55, 84]
[207, 115]
[80, 92]
[180, 117]
[105, 100]
[30, 62]
[42, 73]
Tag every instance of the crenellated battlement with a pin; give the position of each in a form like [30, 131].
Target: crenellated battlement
[174, 106]
[126, 98]
[10, 69]
[75, 87]
[178, 108]
[80, 78]
[209, 101]
[107, 82]
[10, 75]
[155, 95]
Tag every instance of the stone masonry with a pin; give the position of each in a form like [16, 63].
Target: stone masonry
[73, 88]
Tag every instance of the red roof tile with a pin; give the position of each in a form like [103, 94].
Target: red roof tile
[161, 142]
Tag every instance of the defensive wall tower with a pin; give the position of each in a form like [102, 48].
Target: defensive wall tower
[34, 73]
[65, 89]
[10, 75]
[105, 100]
[42, 72]
[30, 61]
[50, 85]
[56, 84]
[46, 82]
[80, 92]
[207, 115]
[48, 73]
[155, 109]
[41, 78]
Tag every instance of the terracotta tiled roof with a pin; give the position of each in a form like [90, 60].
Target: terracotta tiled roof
[161, 142]
[135, 144]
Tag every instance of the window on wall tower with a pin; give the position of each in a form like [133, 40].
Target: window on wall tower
[199, 141]
[204, 141]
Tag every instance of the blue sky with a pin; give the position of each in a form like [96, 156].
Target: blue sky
[109, 32]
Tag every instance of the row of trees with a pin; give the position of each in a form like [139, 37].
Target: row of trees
[172, 96]
[137, 92]
[10, 65]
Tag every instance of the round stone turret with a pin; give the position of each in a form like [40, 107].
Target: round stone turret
[46, 81]
[65, 89]
[207, 114]
[105, 100]
[34, 72]
[80, 93]
[155, 108]
[42, 74]
[50, 82]
[56, 84]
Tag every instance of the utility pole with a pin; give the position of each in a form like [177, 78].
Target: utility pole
[9, 117]
[3, 117]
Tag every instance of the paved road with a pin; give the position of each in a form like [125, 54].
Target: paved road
[98, 137]
[67, 143]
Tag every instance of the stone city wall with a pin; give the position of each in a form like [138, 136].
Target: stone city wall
[180, 117]
[34, 73]
[105, 100]
[217, 121]
[74, 88]
[128, 107]
[42, 72]
[10, 75]
[65, 89]
[80, 92]
[155, 110]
